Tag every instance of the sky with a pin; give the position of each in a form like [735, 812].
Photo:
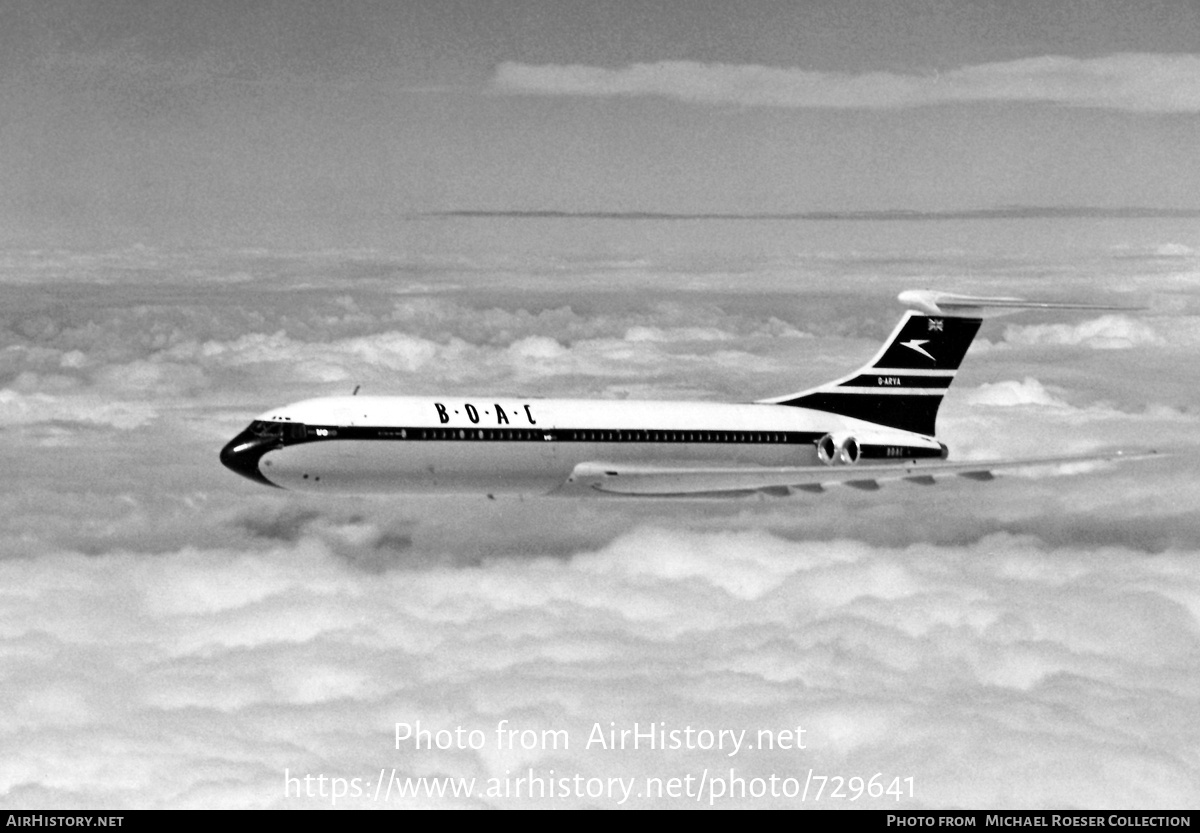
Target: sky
[192, 122]
[210, 209]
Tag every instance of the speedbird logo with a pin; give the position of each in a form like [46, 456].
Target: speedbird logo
[915, 344]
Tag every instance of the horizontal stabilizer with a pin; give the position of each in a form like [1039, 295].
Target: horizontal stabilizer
[978, 306]
[633, 479]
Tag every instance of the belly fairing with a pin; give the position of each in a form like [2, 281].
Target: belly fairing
[458, 466]
[382, 467]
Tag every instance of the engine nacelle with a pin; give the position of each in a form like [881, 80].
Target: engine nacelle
[845, 448]
[838, 450]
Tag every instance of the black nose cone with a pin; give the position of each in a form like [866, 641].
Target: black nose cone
[243, 452]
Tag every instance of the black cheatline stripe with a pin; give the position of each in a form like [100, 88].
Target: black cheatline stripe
[581, 435]
[319, 433]
[897, 379]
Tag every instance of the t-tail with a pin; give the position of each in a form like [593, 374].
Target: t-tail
[903, 385]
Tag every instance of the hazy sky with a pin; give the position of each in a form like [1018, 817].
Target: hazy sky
[196, 121]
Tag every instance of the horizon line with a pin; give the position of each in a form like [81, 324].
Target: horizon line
[1000, 213]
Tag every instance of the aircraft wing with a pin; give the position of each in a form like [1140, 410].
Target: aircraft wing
[682, 480]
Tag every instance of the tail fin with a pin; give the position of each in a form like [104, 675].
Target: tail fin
[903, 385]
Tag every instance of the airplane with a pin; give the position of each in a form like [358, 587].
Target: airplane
[871, 426]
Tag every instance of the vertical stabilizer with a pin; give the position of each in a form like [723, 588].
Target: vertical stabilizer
[903, 385]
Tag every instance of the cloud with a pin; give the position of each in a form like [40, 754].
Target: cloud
[1140, 82]
[1011, 394]
[173, 636]
[195, 677]
[516, 354]
[1108, 332]
[27, 409]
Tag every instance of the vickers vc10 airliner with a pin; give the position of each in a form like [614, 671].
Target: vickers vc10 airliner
[876, 424]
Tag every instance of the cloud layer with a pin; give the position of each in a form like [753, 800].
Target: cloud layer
[1148, 83]
[174, 636]
[196, 678]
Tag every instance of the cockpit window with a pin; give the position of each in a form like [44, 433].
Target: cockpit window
[266, 429]
[278, 430]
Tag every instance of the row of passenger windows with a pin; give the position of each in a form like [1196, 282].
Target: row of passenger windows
[579, 435]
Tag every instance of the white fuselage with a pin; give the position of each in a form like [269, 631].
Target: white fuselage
[883, 414]
[365, 444]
